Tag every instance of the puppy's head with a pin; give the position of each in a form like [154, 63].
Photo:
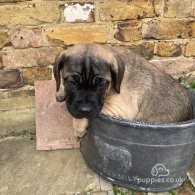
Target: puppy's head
[84, 75]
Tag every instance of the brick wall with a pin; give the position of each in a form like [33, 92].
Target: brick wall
[33, 32]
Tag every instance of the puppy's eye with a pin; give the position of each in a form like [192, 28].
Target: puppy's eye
[100, 82]
[97, 80]
[73, 80]
[76, 78]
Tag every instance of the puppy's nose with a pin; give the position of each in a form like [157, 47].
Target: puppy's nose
[85, 108]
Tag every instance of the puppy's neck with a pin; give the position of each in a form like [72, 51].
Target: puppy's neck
[116, 105]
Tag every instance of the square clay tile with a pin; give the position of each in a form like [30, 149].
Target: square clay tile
[54, 128]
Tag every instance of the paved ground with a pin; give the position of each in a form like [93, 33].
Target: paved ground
[25, 171]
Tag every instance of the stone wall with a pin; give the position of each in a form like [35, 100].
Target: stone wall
[33, 32]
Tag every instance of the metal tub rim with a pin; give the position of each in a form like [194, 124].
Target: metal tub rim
[157, 126]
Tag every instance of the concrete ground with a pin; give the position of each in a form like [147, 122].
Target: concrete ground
[26, 171]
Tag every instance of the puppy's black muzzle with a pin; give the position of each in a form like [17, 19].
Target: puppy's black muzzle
[84, 110]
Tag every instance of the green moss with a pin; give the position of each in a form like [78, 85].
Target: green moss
[188, 81]
[123, 191]
[191, 186]
[172, 193]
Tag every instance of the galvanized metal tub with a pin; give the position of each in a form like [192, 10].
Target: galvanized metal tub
[138, 155]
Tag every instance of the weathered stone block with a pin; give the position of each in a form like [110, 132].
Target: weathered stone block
[193, 9]
[28, 57]
[4, 38]
[27, 37]
[12, 1]
[130, 31]
[22, 93]
[173, 29]
[168, 49]
[54, 128]
[105, 186]
[17, 103]
[17, 115]
[36, 73]
[17, 121]
[178, 8]
[79, 12]
[158, 6]
[29, 14]
[193, 13]
[1, 64]
[10, 79]
[124, 10]
[78, 34]
[145, 50]
[193, 28]
[175, 66]
[190, 48]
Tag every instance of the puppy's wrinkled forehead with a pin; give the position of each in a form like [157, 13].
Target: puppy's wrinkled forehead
[88, 59]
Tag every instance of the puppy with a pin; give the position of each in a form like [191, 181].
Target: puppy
[95, 79]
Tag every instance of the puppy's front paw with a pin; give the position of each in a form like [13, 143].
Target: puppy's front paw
[80, 126]
[60, 96]
[79, 135]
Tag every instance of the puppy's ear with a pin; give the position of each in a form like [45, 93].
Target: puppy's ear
[117, 71]
[59, 64]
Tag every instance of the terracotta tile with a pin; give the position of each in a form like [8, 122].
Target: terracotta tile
[53, 122]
